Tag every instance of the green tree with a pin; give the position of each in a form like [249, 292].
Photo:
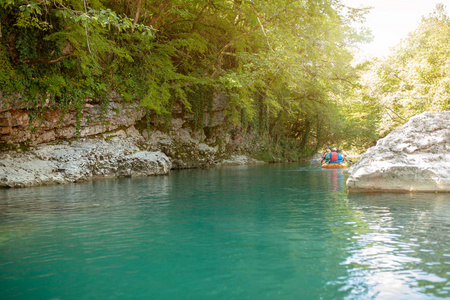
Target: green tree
[414, 78]
[285, 64]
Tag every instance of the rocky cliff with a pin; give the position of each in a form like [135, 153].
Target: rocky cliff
[113, 140]
[413, 158]
[52, 123]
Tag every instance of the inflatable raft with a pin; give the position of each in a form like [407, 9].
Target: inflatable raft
[334, 166]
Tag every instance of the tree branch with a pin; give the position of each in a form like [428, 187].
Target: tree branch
[231, 43]
[44, 60]
[199, 16]
[260, 24]
[344, 80]
[155, 19]
[219, 56]
[395, 114]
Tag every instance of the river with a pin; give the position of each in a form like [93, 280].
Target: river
[280, 231]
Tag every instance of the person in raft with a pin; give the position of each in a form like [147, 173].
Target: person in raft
[335, 157]
[344, 159]
[324, 156]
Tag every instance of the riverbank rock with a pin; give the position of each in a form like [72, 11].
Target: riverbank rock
[238, 160]
[82, 160]
[413, 158]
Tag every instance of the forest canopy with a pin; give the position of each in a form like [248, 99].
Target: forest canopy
[285, 65]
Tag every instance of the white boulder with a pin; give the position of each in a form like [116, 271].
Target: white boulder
[413, 158]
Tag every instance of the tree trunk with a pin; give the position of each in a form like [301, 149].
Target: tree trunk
[305, 135]
[136, 15]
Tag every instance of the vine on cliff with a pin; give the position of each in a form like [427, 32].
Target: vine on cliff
[200, 97]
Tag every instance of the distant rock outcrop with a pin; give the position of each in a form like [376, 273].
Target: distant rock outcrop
[238, 160]
[415, 157]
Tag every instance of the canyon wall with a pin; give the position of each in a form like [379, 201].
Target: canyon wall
[113, 139]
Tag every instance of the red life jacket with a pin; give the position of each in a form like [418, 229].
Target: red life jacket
[334, 157]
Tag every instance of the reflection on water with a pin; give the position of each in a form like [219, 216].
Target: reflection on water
[275, 231]
[403, 250]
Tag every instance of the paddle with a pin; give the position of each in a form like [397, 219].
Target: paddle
[314, 161]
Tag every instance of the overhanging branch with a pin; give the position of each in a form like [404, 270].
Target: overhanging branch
[219, 56]
[46, 60]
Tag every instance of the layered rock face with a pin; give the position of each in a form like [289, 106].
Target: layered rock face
[106, 143]
[413, 158]
[119, 156]
[55, 124]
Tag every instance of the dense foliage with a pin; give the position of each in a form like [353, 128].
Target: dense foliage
[285, 65]
[414, 78]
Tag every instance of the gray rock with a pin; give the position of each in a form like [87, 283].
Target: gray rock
[205, 148]
[415, 157]
[81, 161]
[237, 160]
[213, 119]
[177, 123]
[220, 102]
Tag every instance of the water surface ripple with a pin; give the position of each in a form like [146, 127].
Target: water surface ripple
[282, 231]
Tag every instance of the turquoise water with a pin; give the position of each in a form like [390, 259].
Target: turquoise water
[282, 231]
